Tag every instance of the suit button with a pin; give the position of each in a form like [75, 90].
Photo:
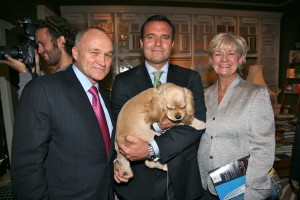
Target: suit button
[214, 118]
[108, 186]
[211, 137]
[211, 157]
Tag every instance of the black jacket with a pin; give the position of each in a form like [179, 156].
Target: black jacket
[177, 145]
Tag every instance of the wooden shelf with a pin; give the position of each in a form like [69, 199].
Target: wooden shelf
[282, 167]
[291, 100]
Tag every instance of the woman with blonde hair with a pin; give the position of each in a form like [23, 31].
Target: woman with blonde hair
[240, 121]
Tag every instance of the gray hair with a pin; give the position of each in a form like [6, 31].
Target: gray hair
[229, 41]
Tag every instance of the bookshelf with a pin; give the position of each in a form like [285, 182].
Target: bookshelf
[195, 27]
[290, 102]
[285, 133]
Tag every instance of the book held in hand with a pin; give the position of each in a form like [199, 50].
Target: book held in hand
[229, 180]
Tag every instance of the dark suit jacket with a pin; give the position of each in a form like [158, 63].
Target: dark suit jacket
[57, 149]
[295, 161]
[177, 145]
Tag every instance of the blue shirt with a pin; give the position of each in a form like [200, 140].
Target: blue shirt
[86, 84]
[164, 69]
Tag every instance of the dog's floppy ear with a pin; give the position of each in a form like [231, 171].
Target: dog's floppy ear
[157, 106]
[189, 111]
[162, 107]
[153, 107]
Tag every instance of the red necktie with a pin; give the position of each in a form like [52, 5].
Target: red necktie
[100, 116]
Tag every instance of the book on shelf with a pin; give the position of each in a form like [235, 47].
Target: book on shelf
[283, 151]
[285, 131]
[284, 146]
[285, 128]
[285, 135]
[284, 142]
[284, 116]
[282, 156]
[229, 180]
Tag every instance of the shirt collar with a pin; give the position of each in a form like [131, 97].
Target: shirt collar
[151, 69]
[85, 82]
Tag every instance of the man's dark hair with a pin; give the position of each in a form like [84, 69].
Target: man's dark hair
[158, 18]
[59, 26]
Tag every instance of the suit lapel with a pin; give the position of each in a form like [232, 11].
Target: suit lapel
[79, 97]
[143, 80]
[173, 75]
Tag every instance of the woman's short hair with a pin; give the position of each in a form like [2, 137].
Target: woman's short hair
[230, 42]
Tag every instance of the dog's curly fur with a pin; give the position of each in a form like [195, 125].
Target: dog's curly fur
[154, 105]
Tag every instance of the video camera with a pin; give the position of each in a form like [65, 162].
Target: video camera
[26, 50]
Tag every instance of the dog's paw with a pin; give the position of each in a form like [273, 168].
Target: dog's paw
[123, 165]
[197, 124]
[158, 165]
[165, 167]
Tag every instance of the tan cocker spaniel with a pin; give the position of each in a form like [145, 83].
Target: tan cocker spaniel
[154, 105]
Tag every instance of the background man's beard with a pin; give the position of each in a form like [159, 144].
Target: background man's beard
[54, 57]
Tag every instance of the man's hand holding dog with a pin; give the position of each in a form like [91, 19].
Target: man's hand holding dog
[166, 123]
[135, 149]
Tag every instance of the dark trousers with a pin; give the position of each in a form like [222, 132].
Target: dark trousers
[164, 182]
[2, 132]
[163, 189]
[208, 196]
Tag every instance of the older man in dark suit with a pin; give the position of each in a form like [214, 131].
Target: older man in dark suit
[176, 146]
[59, 150]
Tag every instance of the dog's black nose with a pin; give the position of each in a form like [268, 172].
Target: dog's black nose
[178, 116]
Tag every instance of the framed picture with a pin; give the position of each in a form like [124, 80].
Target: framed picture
[294, 56]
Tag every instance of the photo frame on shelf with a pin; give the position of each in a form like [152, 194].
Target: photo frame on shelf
[135, 27]
[108, 27]
[134, 42]
[294, 56]
[127, 62]
[185, 41]
[123, 27]
[184, 28]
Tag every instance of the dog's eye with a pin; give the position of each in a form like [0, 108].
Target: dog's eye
[170, 108]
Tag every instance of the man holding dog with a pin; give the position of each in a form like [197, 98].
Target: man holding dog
[177, 146]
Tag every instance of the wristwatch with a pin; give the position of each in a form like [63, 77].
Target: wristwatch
[151, 153]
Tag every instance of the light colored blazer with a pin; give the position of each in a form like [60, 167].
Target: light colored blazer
[242, 124]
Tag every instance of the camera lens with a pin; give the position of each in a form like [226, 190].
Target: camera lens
[13, 51]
